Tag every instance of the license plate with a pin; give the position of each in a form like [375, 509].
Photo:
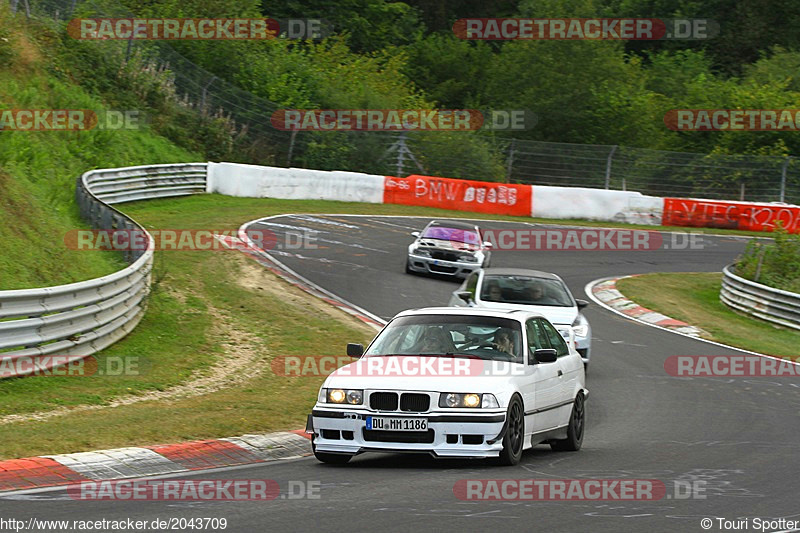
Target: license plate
[382, 423]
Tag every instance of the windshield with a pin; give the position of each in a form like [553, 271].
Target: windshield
[452, 234]
[496, 339]
[526, 290]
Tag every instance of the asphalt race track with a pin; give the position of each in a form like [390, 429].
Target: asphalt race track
[739, 437]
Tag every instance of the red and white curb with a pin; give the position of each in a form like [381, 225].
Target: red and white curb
[136, 462]
[605, 292]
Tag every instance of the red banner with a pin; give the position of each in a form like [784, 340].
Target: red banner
[730, 215]
[459, 195]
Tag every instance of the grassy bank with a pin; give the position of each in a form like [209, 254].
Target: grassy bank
[694, 298]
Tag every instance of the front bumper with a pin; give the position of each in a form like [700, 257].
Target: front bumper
[428, 265]
[584, 345]
[449, 434]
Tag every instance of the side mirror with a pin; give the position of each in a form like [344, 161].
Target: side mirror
[545, 355]
[355, 350]
[465, 295]
[415, 233]
[581, 303]
[487, 244]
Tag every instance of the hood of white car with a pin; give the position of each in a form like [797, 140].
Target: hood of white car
[441, 374]
[555, 314]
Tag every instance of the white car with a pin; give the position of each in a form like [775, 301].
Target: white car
[542, 292]
[454, 382]
[448, 248]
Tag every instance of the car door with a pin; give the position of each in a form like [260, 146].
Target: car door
[547, 391]
[568, 365]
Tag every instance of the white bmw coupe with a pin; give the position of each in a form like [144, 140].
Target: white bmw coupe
[454, 382]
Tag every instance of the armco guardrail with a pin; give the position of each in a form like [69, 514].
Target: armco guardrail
[773, 305]
[79, 319]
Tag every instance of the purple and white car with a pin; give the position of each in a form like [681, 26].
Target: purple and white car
[448, 248]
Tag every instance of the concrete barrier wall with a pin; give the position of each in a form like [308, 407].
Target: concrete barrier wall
[252, 181]
[596, 204]
[630, 207]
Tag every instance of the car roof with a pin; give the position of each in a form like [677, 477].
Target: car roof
[514, 314]
[520, 272]
[448, 224]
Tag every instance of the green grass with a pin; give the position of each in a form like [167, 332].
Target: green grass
[38, 169]
[694, 298]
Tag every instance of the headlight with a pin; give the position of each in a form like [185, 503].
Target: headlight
[341, 396]
[468, 258]
[421, 251]
[580, 326]
[470, 400]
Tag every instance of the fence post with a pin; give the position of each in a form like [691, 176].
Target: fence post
[783, 177]
[205, 93]
[510, 162]
[401, 153]
[608, 165]
[741, 192]
[128, 49]
[291, 147]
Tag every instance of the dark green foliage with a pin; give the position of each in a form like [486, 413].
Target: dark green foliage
[779, 261]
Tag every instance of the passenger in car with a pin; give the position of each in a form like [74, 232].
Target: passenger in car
[493, 292]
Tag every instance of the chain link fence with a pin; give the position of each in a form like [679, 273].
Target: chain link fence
[477, 155]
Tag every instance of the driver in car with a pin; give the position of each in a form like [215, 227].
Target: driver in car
[535, 294]
[503, 342]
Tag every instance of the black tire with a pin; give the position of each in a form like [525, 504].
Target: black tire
[330, 458]
[514, 439]
[575, 429]
[408, 267]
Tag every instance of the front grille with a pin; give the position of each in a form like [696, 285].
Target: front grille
[415, 402]
[443, 269]
[444, 256]
[383, 401]
[410, 437]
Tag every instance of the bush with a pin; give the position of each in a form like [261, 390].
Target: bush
[780, 261]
